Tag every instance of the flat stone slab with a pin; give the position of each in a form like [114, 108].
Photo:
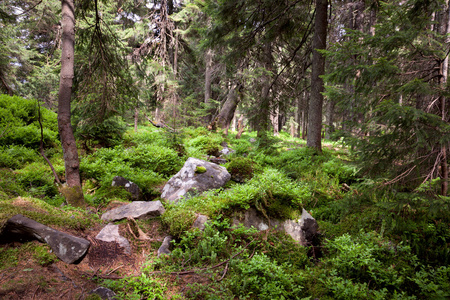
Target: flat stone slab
[70, 249]
[136, 210]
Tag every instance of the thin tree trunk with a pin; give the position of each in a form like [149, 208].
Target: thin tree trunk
[240, 127]
[330, 120]
[136, 116]
[444, 70]
[264, 109]
[318, 68]
[208, 82]
[71, 161]
[276, 121]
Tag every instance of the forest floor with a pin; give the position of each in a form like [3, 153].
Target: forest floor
[29, 279]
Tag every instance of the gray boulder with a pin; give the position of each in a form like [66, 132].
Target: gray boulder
[226, 151]
[302, 230]
[136, 210]
[70, 249]
[104, 293]
[131, 187]
[165, 246]
[110, 233]
[196, 176]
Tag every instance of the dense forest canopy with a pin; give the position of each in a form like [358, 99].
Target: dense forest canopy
[211, 62]
[339, 105]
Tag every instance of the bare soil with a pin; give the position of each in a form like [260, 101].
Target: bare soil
[30, 280]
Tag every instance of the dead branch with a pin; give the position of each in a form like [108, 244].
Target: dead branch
[400, 177]
[41, 145]
[160, 125]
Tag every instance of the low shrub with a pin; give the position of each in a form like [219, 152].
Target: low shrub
[361, 267]
[271, 192]
[178, 220]
[208, 144]
[242, 169]
[9, 186]
[107, 133]
[141, 287]
[19, 123]
[262, 278]
[38, 180]
[16, 157]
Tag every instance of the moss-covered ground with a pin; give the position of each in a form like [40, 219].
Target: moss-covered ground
[375, 241]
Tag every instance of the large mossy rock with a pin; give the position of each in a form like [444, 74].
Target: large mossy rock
[131, 187]
[195, 177]
[304, 230]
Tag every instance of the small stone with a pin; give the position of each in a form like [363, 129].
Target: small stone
[164, 249]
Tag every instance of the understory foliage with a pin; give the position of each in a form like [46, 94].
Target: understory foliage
[376, 242]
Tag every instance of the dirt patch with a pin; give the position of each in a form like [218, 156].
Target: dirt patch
[30, 280]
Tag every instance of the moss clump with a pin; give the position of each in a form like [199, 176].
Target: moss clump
[178, 220]
[42, 212]
[200, 169]
[242, 169]
[73, 195]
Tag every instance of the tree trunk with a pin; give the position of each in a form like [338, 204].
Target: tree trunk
[276, 121]
[444, 79]
[263, 115]
[74, 193]
[208, 83]
[226, 114]
[136, 116]
[240, 127]
[330, 120]
[318, 69]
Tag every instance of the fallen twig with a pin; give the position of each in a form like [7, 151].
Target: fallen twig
[224, 272]
[109, 273]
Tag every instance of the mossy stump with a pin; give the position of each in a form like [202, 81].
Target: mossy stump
[73, 195]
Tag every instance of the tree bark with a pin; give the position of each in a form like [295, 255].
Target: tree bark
[444, 79]
[330, 120]
[318, 68]
[264, 109]
[208, 82]
[70, 152]
[136, 116]
[226, 114]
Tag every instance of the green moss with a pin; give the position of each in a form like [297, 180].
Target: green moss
[178, 220]
[42, 212]
[242, 169]
[200, 169]
[73, 195]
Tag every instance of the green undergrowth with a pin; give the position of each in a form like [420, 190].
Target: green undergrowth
[270, 192]
[19, 123]
[379, 242]
[237, 261]
[47, 214]
[416, 219]
[40, 253]
[146, 165]
[368, 266]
